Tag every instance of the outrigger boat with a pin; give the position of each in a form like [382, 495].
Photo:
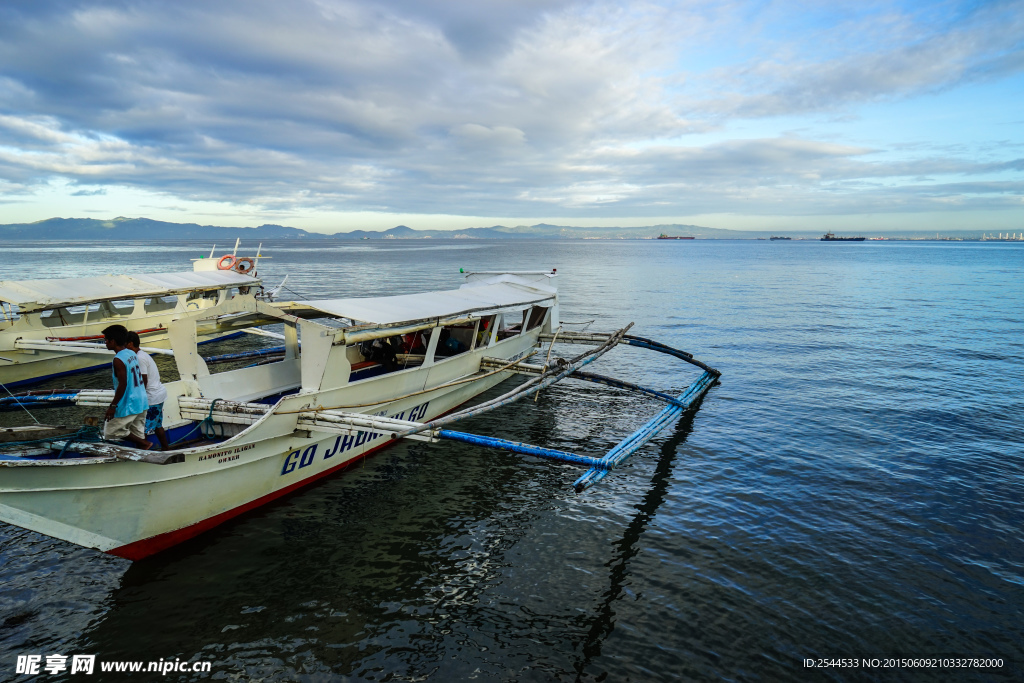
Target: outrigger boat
[53, 327]
[368, 372]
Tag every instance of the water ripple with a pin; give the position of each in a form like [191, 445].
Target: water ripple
[852, 486]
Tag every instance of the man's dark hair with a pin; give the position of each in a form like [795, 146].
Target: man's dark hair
[133, 338]
[117, 334]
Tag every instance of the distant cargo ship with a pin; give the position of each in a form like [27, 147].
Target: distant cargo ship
[663, 236]
[773, 238]
[829, 237]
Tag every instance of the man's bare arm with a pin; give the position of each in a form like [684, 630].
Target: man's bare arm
[122, 385]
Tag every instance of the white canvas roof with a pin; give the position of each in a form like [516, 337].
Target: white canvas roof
[31, 295]
[386, 310]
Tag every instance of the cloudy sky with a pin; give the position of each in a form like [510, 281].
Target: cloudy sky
[343, 114]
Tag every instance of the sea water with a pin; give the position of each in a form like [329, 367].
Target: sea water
[851, 489]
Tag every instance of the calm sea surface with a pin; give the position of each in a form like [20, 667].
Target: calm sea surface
[852, 487]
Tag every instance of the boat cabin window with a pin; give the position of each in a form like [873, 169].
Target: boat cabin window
[76, 315]
[55, 317]
[414, 346]
[390, 354]
[536, 317]
[210, 296]
[113, 309]
[10, 311]
[160, 304]
[455, 339]
[510, 326]
[485, 331]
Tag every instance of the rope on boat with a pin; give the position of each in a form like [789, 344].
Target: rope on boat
[26, 409]
[209, 425]
[84, 434]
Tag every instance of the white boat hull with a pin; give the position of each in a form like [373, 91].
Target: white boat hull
[134, 509]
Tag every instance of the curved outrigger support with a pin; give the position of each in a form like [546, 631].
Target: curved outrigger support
[546, 375]
[634, 441]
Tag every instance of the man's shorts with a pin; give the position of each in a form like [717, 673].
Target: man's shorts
[120, 427]
[154, 418]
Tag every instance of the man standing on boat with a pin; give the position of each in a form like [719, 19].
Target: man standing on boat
[156, 393]
[126, 416]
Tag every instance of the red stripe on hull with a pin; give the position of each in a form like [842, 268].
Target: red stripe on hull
[154, 544]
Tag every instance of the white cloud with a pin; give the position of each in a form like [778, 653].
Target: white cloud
[511, 108]
[892, 55]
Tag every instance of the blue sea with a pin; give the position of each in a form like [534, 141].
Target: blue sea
[850, 491]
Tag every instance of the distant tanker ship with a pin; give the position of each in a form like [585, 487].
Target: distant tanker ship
[663, 236]
[829, 237]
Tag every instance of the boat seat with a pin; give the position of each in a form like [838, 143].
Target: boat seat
[365, 370]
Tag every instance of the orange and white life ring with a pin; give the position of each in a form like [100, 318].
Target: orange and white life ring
[227, 262]
[244, 265]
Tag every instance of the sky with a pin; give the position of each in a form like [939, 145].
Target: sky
[336, 115]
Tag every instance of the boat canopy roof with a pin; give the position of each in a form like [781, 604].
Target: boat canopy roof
[33, 295]
[410, 308]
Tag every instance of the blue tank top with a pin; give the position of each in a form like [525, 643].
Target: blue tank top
[134, 400]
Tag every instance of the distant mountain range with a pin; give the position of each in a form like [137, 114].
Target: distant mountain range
[136, 229]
